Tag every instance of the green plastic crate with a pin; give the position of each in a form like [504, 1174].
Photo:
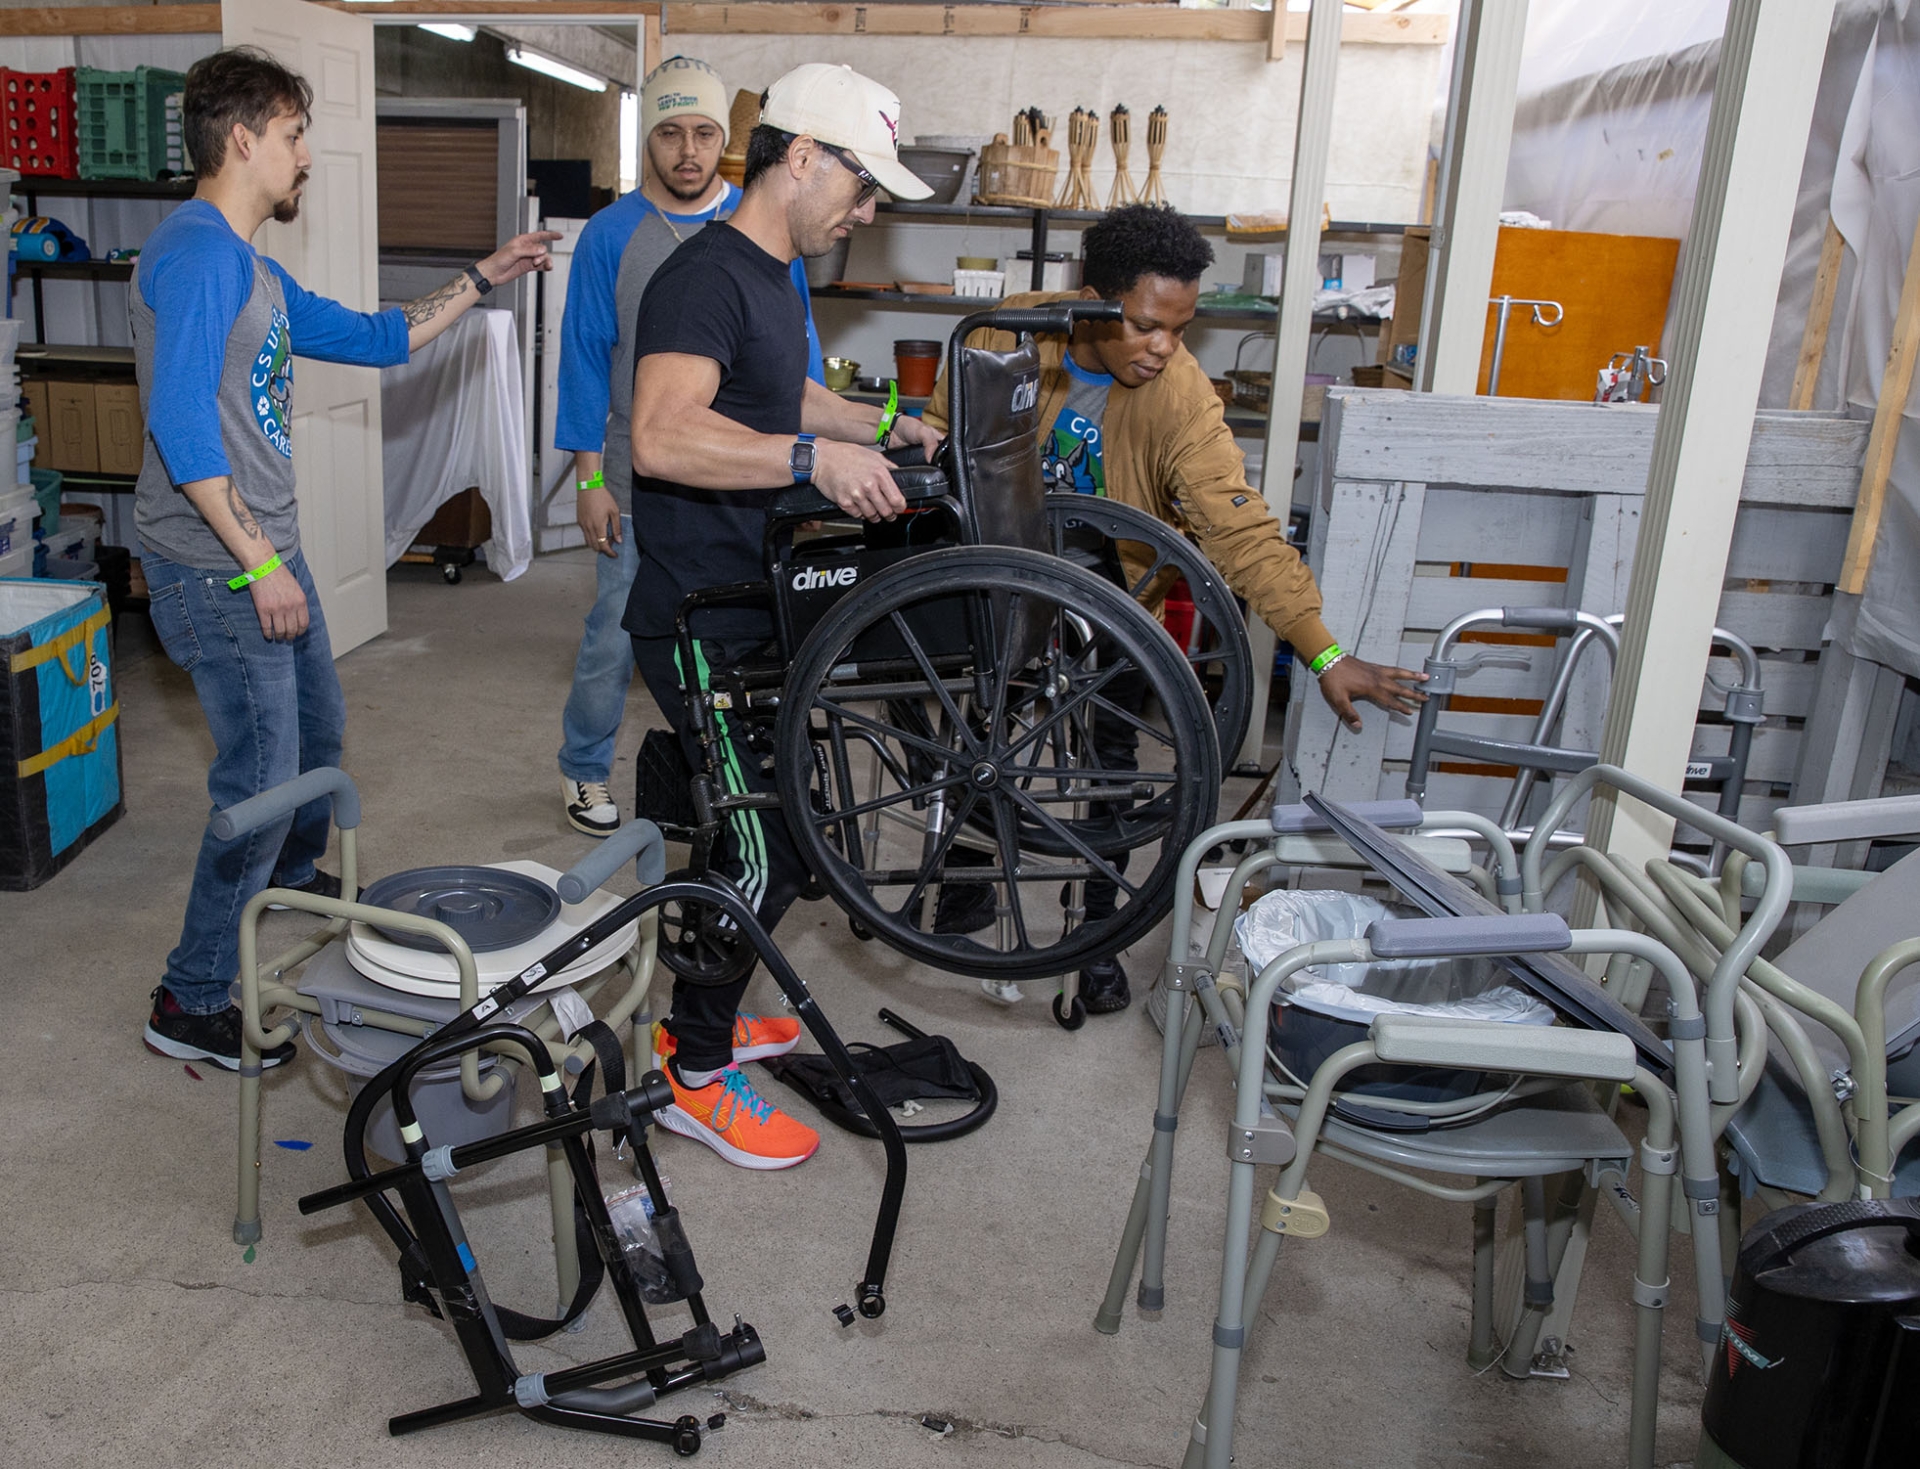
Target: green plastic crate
[122, 118]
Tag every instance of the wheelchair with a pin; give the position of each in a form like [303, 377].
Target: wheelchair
[975, 694]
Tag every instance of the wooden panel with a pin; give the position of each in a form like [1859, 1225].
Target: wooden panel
[1074, 22]
[1434, 601]
[1794, 458]
[439, 186]
[1614, 290]
[1533, 529]
[110, 20]
[1775, 619]
[1775, 752]
[1788, 545]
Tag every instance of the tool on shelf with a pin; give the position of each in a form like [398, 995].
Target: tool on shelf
[1541, 318]
[1152, 193]
[1122, 126]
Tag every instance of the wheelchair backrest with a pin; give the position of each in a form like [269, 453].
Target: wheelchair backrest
[994, 460]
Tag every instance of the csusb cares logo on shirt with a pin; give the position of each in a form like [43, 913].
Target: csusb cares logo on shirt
[272, 385]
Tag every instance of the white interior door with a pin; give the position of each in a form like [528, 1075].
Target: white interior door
[331, 250]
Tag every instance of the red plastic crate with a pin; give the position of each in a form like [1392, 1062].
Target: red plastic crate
[41, 138]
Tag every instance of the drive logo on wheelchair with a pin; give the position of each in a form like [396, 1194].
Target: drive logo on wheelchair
[1026, 393]
[821, 578]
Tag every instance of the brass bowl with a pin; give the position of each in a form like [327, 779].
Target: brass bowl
[841, 372]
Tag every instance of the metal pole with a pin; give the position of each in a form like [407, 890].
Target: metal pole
[1770, 60]
[1312, 137]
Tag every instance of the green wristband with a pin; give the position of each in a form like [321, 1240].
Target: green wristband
[891, 412]
[1332, 655]
[595, 481]
[264, 569]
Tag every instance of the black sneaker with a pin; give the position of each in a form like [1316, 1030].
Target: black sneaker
[590, 807]
[320, 885]
[962, 907]
[1103, 987]
[216, 1037]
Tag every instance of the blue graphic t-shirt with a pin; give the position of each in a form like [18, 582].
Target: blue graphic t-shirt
[1071, 458]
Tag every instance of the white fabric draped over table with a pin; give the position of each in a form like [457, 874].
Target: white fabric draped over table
[452, 419]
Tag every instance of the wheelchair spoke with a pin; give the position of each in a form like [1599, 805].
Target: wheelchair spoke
[1067, 835]
[1127, 716]
[1076, 772]
[834, 709]
[1007, 839]
[939, 857]
[880, 803]
[933, 679]
[1074, 701]
[1002, 670]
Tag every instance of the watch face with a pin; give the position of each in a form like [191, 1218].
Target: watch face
[801, 460]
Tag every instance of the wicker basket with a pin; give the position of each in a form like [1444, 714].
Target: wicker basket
[1016, 175]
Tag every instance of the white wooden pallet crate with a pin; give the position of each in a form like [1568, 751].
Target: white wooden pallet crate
[1417, 492]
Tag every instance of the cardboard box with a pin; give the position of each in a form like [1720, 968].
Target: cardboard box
[70, 439]
[36, 394]
[121, 429]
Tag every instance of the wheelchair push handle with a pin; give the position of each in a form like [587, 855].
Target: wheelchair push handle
[639, 839]
[1056, 319]
[288, 797]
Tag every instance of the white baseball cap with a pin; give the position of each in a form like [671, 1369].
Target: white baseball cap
[839, 106]
[682, 86]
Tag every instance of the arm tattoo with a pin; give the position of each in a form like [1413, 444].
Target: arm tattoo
[248, 525]
[429, 305]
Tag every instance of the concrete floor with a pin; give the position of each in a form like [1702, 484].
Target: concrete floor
[137, 1330]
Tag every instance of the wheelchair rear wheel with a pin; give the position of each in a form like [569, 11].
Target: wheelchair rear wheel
[1149, 555]
[961, 700]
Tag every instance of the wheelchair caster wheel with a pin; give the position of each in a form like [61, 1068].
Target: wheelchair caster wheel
[450, 573]
[1073, 1017]
[686, 1437]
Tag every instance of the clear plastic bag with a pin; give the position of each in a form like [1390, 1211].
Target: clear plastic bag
[1466, 989]
[632, 1213]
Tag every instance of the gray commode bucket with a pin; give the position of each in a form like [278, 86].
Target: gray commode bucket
[363, 1051]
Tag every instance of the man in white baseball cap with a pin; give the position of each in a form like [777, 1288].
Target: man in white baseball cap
[837, 106]
[724, 416]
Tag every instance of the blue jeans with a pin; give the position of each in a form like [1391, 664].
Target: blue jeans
[603, 669]
[275, 710]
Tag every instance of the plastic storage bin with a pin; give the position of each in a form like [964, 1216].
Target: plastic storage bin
[46, 489]
[123, 121]
[59, 736]
[17, 511]
[40, 138]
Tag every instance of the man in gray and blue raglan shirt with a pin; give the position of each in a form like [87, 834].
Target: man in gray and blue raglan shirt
[215, 329]
[683, 112]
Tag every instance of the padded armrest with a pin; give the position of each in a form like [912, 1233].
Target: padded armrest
[1847, 821]
[1440, 938]
[1484, 1045]
[1391, 815]
[917, 482]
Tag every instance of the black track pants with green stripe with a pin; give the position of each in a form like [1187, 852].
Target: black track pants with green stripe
[756, 851]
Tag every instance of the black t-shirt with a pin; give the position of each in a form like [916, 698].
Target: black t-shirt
[722, 297]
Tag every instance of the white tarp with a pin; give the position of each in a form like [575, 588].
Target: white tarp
[453, 420]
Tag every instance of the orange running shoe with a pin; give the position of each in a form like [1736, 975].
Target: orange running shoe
[755, 1038]
[730, 1117]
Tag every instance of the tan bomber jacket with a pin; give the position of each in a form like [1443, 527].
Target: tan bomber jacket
[1168, 451]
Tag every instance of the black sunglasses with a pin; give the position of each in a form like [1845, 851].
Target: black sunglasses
[869, 185]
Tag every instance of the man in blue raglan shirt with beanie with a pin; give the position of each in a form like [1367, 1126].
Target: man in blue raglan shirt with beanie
[215, 328]
[683, 120]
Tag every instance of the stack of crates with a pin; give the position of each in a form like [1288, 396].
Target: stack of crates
[123, 121]
[40, 136]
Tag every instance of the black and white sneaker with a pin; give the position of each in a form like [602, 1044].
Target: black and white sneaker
[590, 806]
[1103, 987]
[216, 1037]
[321, 885]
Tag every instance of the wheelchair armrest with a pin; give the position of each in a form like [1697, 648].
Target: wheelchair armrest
[919, 483]
[1485, 1045]
[1438, 938]
[1392, 815]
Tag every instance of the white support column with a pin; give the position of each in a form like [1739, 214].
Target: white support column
[1473, 182]
[1300, 280]
[1770, 59]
